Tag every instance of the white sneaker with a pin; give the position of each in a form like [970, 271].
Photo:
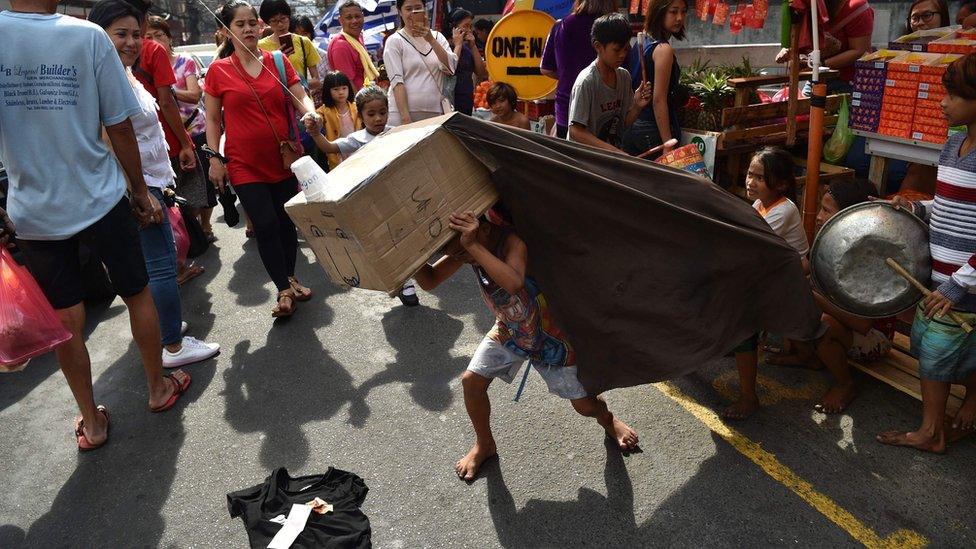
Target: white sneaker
[184, 327]
[193, 350]
[408, 294]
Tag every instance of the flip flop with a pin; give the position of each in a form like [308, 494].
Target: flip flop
[85, 445]
[178, 389]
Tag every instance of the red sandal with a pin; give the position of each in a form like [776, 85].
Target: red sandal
[179, 387]
[85, 445]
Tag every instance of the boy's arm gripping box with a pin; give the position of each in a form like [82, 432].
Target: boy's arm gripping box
[386, 208]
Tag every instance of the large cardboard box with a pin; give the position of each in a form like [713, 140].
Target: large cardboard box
[386, 208]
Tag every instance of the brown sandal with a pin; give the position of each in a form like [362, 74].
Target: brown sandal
[301, 292]
[281, 310]
[190, 272]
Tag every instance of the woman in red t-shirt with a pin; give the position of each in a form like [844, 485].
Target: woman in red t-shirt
[245, 100]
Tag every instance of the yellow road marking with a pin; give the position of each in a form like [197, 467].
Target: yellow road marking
[901, 539]
[770, 390]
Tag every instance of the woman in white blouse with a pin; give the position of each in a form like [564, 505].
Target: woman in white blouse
[417, 60]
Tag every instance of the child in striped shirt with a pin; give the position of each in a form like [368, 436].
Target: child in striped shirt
[946, 354]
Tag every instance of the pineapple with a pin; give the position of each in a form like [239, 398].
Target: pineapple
[710, 92]
[715, 94]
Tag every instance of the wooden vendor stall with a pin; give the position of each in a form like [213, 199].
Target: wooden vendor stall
[733, 118]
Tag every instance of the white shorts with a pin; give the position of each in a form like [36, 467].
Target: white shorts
[493, 360]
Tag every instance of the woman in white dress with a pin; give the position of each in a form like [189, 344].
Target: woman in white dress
[417, 60]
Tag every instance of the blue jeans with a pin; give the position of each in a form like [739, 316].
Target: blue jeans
[643, 135]
[159, 249]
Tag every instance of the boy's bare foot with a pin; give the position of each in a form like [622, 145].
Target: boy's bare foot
[927, 443]
[966, 417]
[836, 399]
[467, 467]
[742, 408]
[622, 433]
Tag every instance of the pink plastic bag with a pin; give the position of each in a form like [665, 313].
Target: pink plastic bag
[784, 95]
[28, 324]
[179, 233]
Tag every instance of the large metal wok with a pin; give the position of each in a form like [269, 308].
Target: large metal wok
[847, 260]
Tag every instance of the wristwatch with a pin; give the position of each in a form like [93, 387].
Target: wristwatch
[210, 153]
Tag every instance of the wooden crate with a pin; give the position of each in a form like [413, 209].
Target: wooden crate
[900, 370]
[828, 174]
[747, 128]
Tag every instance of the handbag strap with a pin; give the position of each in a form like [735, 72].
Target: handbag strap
[423, 61]
[850, 17]
[257, 98]
[279, 59]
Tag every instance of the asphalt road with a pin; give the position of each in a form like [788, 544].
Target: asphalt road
[357, 382]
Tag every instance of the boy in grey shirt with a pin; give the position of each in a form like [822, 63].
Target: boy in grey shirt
[602, 105]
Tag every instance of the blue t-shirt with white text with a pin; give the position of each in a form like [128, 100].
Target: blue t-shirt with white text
[61, 79]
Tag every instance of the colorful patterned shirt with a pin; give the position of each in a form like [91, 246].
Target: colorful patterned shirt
[524, 324]
[184, 67]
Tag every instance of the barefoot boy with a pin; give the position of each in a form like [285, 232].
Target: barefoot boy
[946, 354]
[524, 330]
[602, 105]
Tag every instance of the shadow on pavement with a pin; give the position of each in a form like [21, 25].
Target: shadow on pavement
[460, 296]
[248, 278]
[196, 298]
[17, 385]
[423, 338]
[115, 494]
[592, 518]
[290, 381]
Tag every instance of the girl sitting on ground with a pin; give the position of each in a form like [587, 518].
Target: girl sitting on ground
[338, 110]
[771, 182]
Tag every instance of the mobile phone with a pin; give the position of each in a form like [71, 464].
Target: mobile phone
[287, 42]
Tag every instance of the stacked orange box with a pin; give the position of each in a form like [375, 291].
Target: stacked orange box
[918, 40]
[901, 93]
[956, 42]
[930, 124]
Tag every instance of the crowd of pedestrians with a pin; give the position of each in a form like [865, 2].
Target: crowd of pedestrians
[136, 127]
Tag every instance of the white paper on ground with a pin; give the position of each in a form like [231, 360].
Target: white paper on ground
[293, 526]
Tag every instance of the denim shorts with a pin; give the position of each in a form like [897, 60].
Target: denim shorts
[493, 360]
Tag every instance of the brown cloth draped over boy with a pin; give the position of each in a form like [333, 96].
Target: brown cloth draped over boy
[651, 271]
